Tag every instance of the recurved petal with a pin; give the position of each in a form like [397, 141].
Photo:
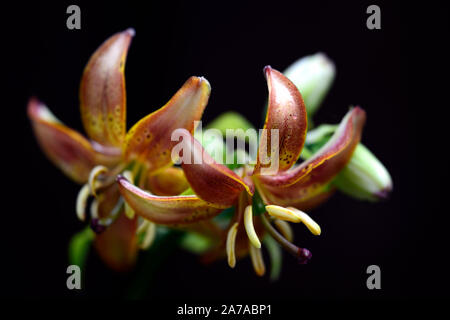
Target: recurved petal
[66, 148]
[169, 181]
[301, 198]
[322, 167]
[117, 246]
[149, 140]
[211, 181]
[165, 210]
[102, 91]
[286, 113]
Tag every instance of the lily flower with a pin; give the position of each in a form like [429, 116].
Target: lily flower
[285, 194]
[365, 177]
[143, 154]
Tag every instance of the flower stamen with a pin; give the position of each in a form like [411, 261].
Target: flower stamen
[285, 229]
[231, 243]
[93, 178]
[129, 212]
[307, 221]
[100, 224]
[303, 255]
[82, 198]
[283, 213]
[250, 228]
[149, 237]
[257, 260]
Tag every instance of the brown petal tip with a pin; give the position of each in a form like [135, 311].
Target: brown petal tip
[267, 69]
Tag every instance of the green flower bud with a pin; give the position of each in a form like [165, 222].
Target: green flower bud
[313, 76]
[364, 177]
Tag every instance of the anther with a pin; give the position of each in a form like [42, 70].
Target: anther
[303, 255]
[129, 212]
[94, 209]
[231, 243]
[82, 198]
[282, 213]
[142, 226]
[257, 260]
[250, 228]
[307, 221]
[93, 176]
[285, 229]
[149, 236]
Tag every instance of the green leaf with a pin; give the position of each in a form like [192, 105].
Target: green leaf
[79, 247]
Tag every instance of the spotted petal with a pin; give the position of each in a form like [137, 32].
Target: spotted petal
[304, 199]
[287, 114]
[102, 91]
[166, 210]
[212, 182]
[66, 148]
[149, 140]
[311, 177]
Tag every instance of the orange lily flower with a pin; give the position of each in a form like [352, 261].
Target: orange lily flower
[286, 194]
[143, 154]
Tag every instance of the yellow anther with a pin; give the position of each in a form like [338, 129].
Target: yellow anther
[142, 226]
[129, 212]
[283, 213]
[250, 228]
[94, 209]
[307, 221]
[231, 243]
[149, 236]
[285, 229]
[257, 260]
[82, 198]
[93, 176]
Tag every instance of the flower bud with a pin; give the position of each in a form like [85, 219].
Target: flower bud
[364, 177]
[313, 76]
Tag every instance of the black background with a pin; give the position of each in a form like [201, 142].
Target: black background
[230, 43]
